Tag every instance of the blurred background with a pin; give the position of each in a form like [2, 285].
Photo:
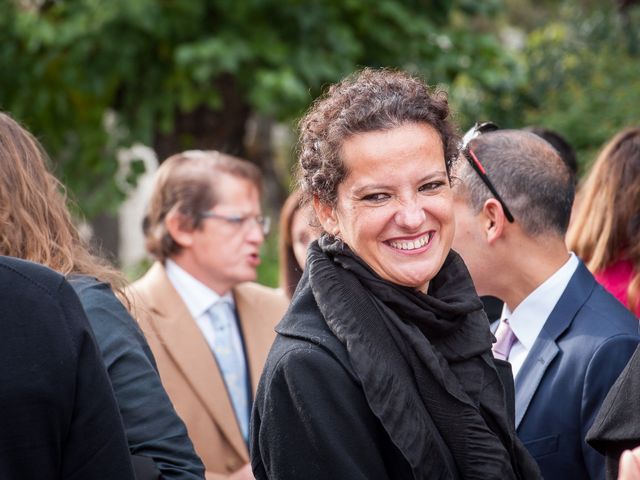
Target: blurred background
[112, 87]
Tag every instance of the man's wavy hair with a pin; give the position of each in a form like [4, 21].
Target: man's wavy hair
[185, 182]
[35, 223]
[368, 100]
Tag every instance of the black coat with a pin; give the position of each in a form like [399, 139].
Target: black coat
[330, 431]
[617, 426]
[58, 415]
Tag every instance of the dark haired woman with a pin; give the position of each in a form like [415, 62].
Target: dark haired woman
[382, 368]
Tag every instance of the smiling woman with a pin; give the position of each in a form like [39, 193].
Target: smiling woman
[382, 366]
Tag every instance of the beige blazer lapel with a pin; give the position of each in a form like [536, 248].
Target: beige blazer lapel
[184, 342]
[259, 310]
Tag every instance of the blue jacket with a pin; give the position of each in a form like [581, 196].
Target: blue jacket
[582, 348]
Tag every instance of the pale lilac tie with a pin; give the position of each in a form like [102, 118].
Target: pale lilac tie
[505, 338]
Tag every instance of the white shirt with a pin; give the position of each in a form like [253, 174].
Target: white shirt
[199, 298]
[531, 314]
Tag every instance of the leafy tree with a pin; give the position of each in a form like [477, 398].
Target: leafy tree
[576, 72]
[89, 76]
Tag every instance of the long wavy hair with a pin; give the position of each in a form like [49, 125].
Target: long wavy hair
[35, 223]
[606, 228]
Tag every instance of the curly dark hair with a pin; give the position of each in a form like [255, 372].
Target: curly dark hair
[366, 101]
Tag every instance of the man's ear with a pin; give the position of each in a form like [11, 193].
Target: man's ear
[326, 216]
[495, 220]
[179, 228]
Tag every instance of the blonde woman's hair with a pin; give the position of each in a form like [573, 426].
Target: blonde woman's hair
[35, 223]
[607, 223]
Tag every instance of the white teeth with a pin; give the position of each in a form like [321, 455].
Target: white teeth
[412, 245]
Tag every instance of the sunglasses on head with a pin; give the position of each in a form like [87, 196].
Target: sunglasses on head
[472, 158]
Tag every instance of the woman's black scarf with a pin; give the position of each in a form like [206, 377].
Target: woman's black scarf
[425, 364]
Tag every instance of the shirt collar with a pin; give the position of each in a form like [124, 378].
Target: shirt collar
[531, 314]
[196, 295]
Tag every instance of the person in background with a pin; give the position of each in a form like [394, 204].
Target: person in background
[566, 338]
[296, 233]
[561, 145]
[606, 231]
[492, 305]
[382, 366]
[630, 465]
[617, 426]
[35, 224]
[59, 420]
[209, 326]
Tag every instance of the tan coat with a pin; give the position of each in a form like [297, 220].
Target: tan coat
[188, 368]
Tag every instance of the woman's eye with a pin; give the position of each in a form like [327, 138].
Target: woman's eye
[375, 197]
[431, 186]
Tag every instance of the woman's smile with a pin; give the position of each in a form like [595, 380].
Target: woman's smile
[412, 245]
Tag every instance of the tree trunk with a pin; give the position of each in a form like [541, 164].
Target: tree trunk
[232, 129]
[208, 129]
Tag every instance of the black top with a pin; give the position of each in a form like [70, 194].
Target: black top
[368, 379]
[617, 426]
[311, 418]
[59, 418]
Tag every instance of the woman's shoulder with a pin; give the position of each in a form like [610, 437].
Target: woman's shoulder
[92, 291]
[304, 341]
[110, 321]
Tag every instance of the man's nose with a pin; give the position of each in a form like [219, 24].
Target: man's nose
[256, 232]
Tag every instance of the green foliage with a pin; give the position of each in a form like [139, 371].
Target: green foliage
[586, 85]
[577, 74]
[268, 270]
[89, 76]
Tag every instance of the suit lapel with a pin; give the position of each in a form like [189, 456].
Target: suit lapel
[545, 348]
[187, 346]
[258, 334]
[543, 352]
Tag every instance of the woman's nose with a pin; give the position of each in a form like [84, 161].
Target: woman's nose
[410, 215]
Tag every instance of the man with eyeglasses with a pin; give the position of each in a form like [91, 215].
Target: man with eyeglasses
[566, 338]
[209, 327]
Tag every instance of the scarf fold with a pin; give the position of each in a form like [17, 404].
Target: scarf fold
[425, 364]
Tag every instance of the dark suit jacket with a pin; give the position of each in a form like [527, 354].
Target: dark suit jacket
[151, 424]
[58, 415]
[582, 348]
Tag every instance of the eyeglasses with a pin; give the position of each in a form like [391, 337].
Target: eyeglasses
[472, 158]
[243, 222]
